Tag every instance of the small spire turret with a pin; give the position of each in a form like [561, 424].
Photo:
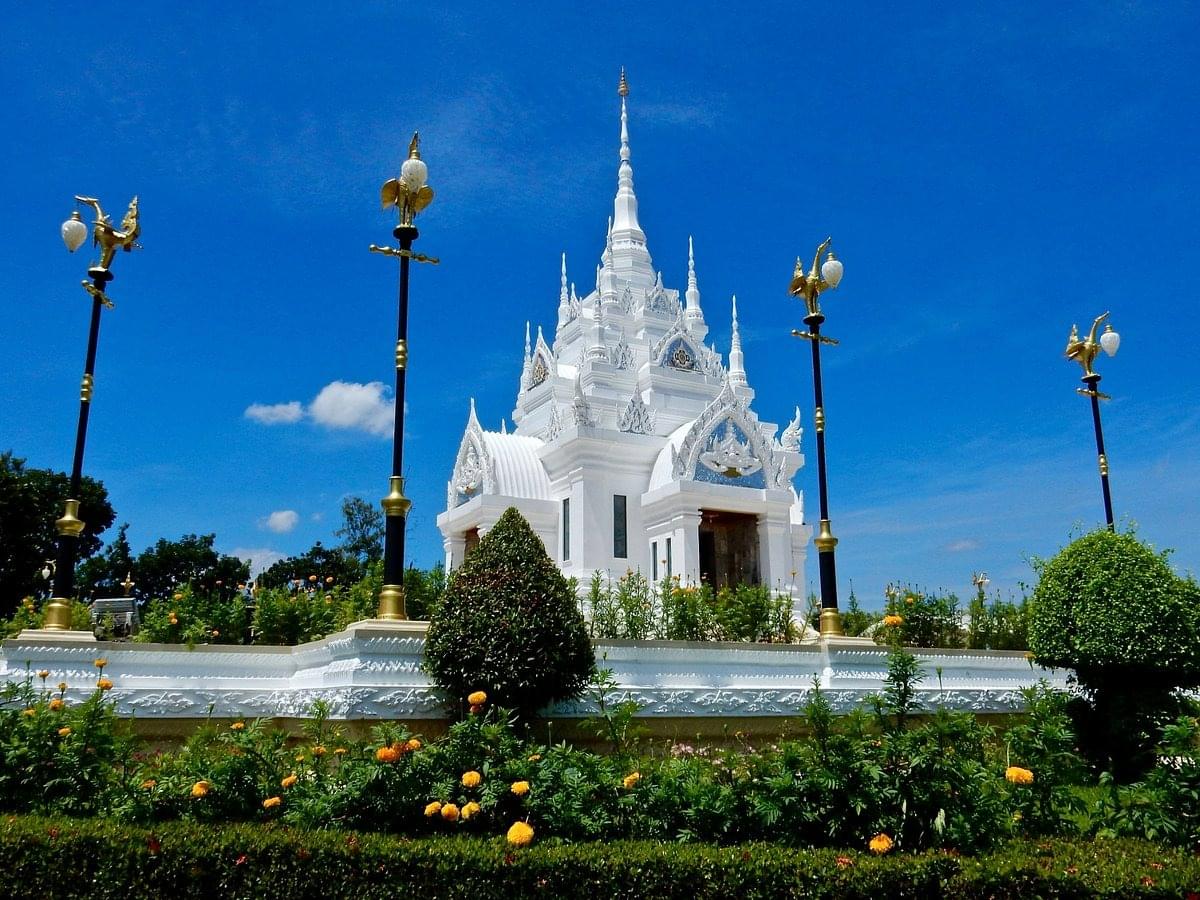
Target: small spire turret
[737, 365]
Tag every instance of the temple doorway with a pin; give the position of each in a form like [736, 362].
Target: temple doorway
[728, 548]
[470, 541]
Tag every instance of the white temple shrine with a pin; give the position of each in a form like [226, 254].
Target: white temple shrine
[634, 443]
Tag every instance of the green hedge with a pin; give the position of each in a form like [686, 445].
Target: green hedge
[101, 859]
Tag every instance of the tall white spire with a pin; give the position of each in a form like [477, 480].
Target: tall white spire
[631, 258]
[737, 364]
[693, 289]
[564, 299]
[528, 349]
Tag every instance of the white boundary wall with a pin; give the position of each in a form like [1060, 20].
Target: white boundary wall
[373, 671]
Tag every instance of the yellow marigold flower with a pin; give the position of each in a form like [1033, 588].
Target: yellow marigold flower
[910, 599]
[272, 802]
[289, 781]
[387, 754]
[30, 712]
[200, 789]
[1017, 775]
[478, 698]
[521, 834]
[64, 731]
[520, 788]
[631, 779]
[101, 663]
[299, 757]
[237, 726]
[173, 619]
[470, 810]
[535, 757]
[149, 783]
[56, 704]
[318, 750]
[450, 812]
[104, 684]
[178, 596]
[881, 844]
[43, 674]
[412, 745]
[892, 619]
[339, 751]
[433, 809]
[471, 779]
[62, 686]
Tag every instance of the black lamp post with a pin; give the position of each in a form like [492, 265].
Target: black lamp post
[809, 288]
[70, 526]
[1084, 352]
[409, 194]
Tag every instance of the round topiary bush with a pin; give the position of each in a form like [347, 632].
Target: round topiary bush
[509, 624]
[1110, 608]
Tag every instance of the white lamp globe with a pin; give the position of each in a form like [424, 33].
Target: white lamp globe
[414, 173]
[831, 271]
[1110, 341]
[74, 232]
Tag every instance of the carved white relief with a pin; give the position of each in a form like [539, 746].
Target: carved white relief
[790, 439]
[729, 456]
[621, 356]
[555, 427]
[638, 417]
[581, 411]
[727, 409]
[473, 471]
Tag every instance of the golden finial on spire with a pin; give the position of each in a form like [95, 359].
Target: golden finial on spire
[414, 146]
[623, 86]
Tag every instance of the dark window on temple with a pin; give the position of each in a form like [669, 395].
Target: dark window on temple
[654, 560]
[668, 557]
[620, 543]
[566, 528]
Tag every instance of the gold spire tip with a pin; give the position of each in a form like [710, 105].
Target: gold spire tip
[623, 85]
[414, 146]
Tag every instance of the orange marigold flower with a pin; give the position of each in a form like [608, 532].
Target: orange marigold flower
[631, 779]
[1017, 775]
[149, 783]
[30, 712]
[520, 788]
[892, 619]
[881, 844]
[312, 577]
[101, 663]
[412, 745]
[470, 810]
[521, 834]
[478, 698]
[178, 596]
[64, 731]
[535, 757]
[387, 754]
[272, 802]
[200, 789]
[289, 781]
[56, 704]
[43, 674]
[339, 751]
[237, 726]
[471, 779]
[450, 812]
[62, 686]
[844, 861]
[104, 684]
[318, 750]
[433, 809]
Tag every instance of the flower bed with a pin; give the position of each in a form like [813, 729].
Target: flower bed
[66, 858]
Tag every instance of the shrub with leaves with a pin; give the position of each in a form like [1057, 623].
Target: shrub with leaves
[192, 616]
[930, 619]
[509, 624]
[1110, 608]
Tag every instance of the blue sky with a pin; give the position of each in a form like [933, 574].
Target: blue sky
[989, 176]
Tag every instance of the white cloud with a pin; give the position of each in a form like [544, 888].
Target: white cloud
[281, 521]
[275, 413]
[260, 558]
[343, 405]
[962, 546]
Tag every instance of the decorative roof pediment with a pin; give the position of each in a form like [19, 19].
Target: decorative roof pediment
[621, 356]
[542, 365]
[638, 417]
[678, 349]
[726, 445]
[474, 473]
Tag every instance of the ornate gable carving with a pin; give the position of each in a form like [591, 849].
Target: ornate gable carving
[473, 471]
[725, 445]
[677, 349]
[621, 356]
[542, 366]
[554, 429]
[638, 417]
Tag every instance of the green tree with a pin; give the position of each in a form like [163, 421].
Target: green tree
[1111, 609]
[362, 531]
[191, 560]
[103, 574]
[317, 565]
[30, 501]
[509, 624]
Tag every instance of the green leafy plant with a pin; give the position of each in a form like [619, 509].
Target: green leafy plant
[509, 624]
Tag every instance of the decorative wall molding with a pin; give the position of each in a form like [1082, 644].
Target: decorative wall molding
[372, 671]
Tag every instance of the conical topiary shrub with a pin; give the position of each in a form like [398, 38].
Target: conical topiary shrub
[509, 624]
